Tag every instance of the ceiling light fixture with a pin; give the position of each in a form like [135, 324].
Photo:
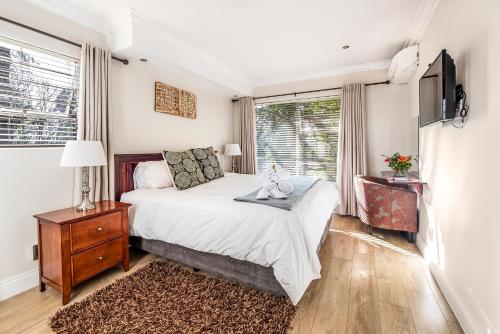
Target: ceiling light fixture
[345, 47]
[144, 60]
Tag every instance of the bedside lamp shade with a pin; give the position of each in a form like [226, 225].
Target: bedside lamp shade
[232, 150]
[83, 153]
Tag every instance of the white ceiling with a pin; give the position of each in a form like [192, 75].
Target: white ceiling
[269, 41]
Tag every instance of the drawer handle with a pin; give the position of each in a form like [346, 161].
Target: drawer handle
[100, 258]
[99, 229]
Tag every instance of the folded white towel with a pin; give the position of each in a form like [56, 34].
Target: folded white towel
[274, 177]
[270, 186]
[262, 194]
[285, 187]
[275, 193]
[275, 173]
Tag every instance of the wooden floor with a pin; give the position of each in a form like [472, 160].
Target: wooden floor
[369, 284]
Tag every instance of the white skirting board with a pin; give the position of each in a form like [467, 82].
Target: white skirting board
[459, 307]
[19, 283]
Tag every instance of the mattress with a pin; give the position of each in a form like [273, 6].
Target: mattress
[206, 218]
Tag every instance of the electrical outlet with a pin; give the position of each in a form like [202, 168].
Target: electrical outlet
[35, 252]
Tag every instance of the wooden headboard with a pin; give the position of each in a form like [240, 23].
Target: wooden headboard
[124, 170]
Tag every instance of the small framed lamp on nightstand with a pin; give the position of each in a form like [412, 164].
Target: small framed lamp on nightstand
[232, 150]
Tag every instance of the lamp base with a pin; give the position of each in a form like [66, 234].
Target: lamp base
[86, 204]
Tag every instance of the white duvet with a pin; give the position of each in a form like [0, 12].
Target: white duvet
[207, 219]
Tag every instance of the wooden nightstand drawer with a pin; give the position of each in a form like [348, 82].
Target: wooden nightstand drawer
[94, 231]
[90, 262]
[74, 245]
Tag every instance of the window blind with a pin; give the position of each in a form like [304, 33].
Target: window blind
[38, 95]
[301, 137]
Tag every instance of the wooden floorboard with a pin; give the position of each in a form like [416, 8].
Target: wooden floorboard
[395, 319]
[331, 315]
[344, 246]
[370, 284]
[426, 313]
[308, 305]
[363, 266]
[364, 313]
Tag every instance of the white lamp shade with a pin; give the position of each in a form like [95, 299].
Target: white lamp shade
[83, 153]
[232, 149]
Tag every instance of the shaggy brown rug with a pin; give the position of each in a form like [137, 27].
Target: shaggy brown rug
[166, 298]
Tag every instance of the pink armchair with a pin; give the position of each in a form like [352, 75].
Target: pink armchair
[385, 205]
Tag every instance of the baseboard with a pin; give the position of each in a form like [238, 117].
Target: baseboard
[422, 246]
[19, 283]
[459, 307]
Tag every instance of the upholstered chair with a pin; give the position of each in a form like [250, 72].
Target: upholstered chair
[385, 205]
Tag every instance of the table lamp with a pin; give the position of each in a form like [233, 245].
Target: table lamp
[232, 150]
[84, 153]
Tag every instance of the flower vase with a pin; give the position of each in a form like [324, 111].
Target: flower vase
[398, 173]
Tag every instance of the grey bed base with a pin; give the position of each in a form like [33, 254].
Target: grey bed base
[222, 266]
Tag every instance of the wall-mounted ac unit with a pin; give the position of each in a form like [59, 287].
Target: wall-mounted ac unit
[404, 65]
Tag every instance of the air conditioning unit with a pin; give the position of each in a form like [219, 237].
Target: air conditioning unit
[404, 65]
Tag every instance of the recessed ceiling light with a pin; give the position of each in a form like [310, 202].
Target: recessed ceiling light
[345, 47]
[144, 60]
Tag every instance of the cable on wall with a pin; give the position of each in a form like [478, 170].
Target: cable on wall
[462, 108]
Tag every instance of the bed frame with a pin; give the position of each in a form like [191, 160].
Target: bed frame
[219, 265]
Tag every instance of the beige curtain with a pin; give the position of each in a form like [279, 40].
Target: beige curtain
[352, 145]
[247, 162]
[94, 116]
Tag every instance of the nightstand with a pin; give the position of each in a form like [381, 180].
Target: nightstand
[76, 245]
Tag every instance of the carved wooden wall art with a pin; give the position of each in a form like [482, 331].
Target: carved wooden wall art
[166, 99]
[174, 101]
[187, 104]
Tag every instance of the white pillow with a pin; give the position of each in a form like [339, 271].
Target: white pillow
[152, 175]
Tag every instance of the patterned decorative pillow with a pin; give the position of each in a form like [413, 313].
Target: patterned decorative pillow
[209, 163]
[184, 168]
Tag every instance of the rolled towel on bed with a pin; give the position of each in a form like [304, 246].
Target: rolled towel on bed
[265, 192]
[270, 189]
[270, 186]
[262, 194]
[285, 187]
[275, 173]
[275, 193]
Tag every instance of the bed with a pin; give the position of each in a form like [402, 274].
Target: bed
[203, 227]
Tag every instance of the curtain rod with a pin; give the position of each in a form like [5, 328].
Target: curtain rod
[124, 61]
[314, 91]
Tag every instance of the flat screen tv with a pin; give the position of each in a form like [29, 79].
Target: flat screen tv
[437, 91]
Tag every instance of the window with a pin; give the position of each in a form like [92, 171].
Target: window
[301, 137]
[38, 95]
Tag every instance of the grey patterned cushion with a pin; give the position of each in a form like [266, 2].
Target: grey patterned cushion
[209, 163]
[184, 168]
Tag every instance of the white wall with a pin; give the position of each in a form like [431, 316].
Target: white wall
[388, 111]
[32, 182]
[31, 179]
[460, 212]
[137, 128]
